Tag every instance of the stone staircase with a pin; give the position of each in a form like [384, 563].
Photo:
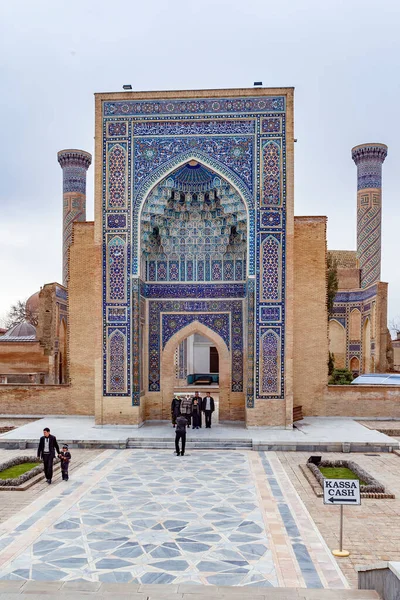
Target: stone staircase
[191, 444]
[74, 590]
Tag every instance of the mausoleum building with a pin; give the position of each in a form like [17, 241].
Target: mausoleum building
[195, 273]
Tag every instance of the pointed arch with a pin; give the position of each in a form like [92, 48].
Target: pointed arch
[117, 170]
[116, 263]
[355, 365]
[270, 363]
[220, 170]
[168, 374]
[116, 362]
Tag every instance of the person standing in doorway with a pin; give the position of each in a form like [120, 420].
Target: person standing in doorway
[208, 409]
[186, 409]
[175, 409]
[196, 410]
[180, 434]
[48, 447]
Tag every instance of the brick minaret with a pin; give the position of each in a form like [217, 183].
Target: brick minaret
[74, 164]
[369, 159]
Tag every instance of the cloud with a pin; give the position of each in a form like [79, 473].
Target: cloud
[342, 58]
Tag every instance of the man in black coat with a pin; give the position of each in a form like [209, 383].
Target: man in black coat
[180, 434]
[48, 446]
[175, 409]
[208, 407]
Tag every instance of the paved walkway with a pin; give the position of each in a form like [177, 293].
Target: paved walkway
[140, 517]
[11, 502]
[372, 530]
[311, 430]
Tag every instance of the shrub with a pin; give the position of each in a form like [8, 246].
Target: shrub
[341, 377]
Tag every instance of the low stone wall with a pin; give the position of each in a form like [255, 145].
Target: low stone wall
[40, 400]
[19, 460]
[358, 401]
[371, 488]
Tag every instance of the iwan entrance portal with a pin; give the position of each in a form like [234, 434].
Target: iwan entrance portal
[194, 255]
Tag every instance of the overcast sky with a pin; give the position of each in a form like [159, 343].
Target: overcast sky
[342, 57]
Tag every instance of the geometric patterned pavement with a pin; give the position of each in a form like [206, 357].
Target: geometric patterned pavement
[149, 517]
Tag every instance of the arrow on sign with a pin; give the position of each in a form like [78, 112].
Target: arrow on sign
[333, 500]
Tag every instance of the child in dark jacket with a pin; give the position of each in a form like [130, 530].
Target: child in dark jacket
[65, 457]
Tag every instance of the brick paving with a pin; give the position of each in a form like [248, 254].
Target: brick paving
[11, 502]
[372, 530]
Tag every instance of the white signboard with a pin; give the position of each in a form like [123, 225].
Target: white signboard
[342, 491]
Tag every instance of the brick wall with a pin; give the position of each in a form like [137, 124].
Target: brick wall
[23, 357]
[396, 353]
[84, 269]
[310, 311]
[348, 279]
[37, 400]
[359, 401]
[382, 336]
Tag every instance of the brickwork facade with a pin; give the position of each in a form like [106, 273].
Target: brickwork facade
[396, 353]
[84, 271]
[310, 311]
[124, 397]
[359, 401]
[23, 357]
[265, 310]
[52, 330]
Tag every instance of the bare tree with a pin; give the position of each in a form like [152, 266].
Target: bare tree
[18, 313]
[394, 325]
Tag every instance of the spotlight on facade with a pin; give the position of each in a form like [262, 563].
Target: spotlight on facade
[127, 86]
[257, 83]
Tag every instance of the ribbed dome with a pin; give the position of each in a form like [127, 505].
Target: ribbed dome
[32, 304]
[193, 173]
[21, 332]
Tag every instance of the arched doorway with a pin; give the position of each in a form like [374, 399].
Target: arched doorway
[355, 366]
[168, 376]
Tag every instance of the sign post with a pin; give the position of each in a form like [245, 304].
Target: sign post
[341, 492]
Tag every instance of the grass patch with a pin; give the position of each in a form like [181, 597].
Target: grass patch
[13, 472]
[338, 473]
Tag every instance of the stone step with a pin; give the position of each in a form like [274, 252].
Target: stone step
[72, 590]
[205, 444]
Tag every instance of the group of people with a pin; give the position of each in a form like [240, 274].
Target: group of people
[48, 447]
[186, 412]
[192, 407]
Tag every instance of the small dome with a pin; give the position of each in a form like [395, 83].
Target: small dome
[21, 332]
[32, 304]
